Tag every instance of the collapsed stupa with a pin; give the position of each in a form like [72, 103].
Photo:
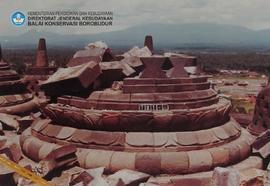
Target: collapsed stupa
[14, 96]
[97, 52]
[103, 73]
[158, 123]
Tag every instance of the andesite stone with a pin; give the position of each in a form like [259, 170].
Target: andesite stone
[149, 43]
[156, 121]
[14, 96]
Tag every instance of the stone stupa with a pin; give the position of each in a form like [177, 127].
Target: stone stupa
[14, 96]
[41, 69]
[155, 123]
[148, 42]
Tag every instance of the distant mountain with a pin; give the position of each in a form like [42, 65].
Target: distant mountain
[165, 35]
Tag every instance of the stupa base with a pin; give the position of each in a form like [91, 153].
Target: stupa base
[154, 161]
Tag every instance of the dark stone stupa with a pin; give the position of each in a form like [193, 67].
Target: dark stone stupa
[41, 70]
[149, 43]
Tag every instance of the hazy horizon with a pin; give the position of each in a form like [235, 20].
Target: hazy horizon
[251, 14]
[36, 30]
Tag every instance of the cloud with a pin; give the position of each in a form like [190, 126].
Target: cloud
[253, 14]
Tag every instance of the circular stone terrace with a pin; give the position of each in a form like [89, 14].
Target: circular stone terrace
[14, 97]
[158, 123]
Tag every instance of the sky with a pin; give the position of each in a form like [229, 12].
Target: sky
[253, 14]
